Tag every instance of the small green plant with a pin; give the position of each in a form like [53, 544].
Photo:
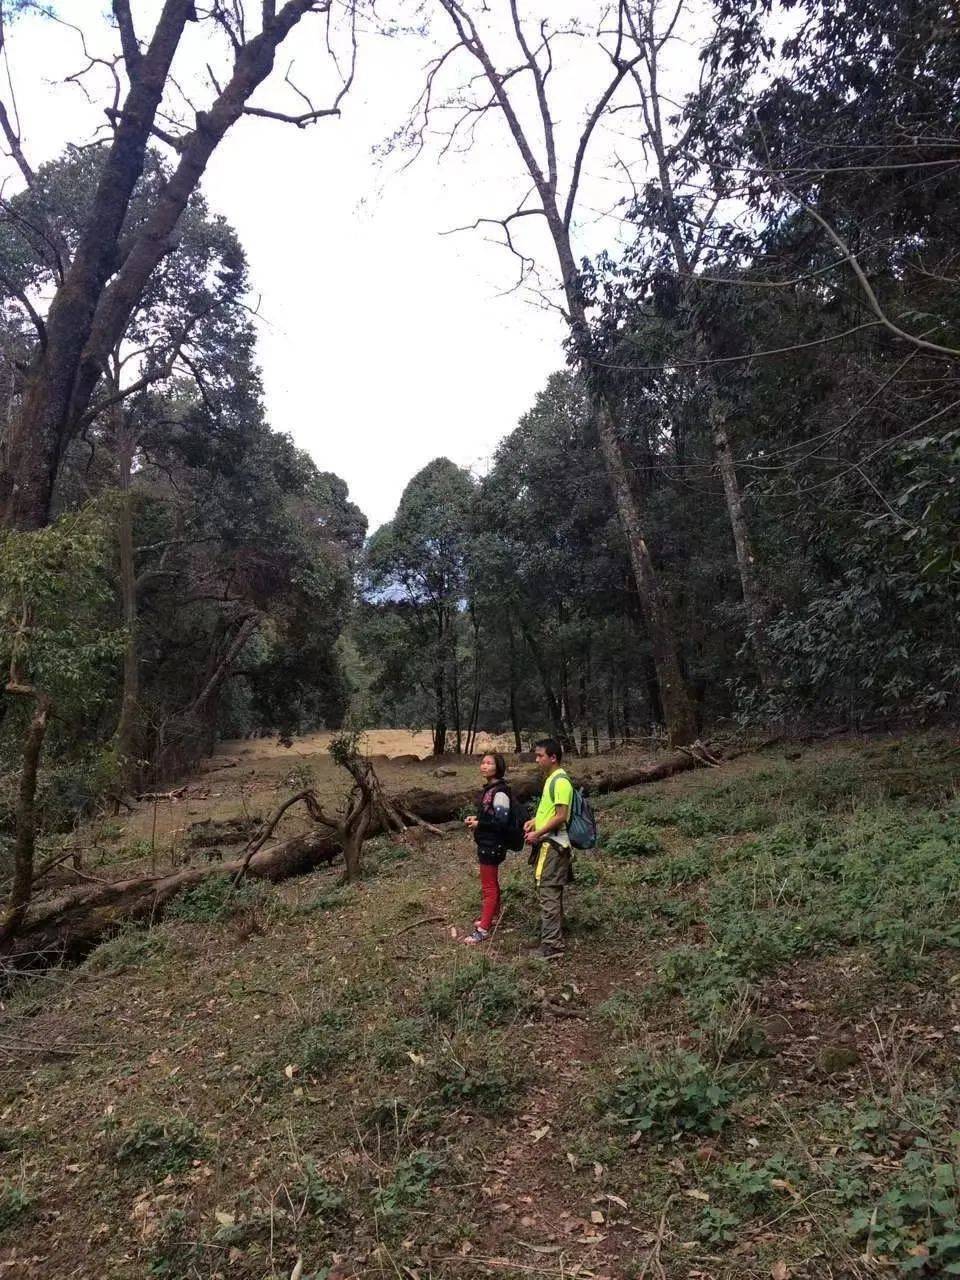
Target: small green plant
[392, 1043]
[329, 900]
[478, 990]
[213, 900]
[128, 949]
[409, 1185]
[479, 1077]
[15, 1205]
[622, 1012]
[717, 1225]
[317, 1195]
[633, 842]
[916, 1221]
[159, 1147]
[681, 869]
[751, 1186]
[323, 1043]
[674, 1094]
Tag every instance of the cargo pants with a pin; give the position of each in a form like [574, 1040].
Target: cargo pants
[553, 871]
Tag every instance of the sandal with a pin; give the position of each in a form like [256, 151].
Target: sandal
[474, 939]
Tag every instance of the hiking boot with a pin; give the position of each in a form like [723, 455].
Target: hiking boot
[547, 952]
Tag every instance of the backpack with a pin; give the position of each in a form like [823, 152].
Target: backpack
[581, 824]
[511, 835]
[514, 838]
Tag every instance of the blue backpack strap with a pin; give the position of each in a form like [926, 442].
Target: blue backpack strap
[560, 773]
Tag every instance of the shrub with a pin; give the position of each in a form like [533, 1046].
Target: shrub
[323, 1043]
[674, 1094]
[487, 992]
[159, 1147]
[633, 842]
[15, 1205]
[409, 1185]
[128, 949]
[392, 1043]
[916, 1221]
[480, 1078]
[213, 899]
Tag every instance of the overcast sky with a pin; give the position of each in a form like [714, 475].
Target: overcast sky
[383, 342]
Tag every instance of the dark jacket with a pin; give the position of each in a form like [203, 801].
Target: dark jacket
[492, 823]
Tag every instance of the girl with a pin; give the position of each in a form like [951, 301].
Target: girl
[489, 828]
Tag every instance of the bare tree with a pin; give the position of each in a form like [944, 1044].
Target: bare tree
[555, 197]
[697, 220]
[100, 278]
[100, 283]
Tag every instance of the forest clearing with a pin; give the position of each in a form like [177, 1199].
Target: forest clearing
[745, 1067]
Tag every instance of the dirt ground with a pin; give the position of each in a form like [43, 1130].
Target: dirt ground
[326, 1084]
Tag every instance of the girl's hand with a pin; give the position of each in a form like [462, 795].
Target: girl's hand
[470, 823]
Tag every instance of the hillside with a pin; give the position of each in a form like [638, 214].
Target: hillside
[744, 1067]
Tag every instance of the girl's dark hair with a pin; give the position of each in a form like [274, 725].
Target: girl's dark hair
[499, 763]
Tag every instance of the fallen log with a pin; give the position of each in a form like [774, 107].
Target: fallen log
[69, 926]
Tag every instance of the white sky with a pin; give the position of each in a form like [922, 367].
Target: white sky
[384, 343]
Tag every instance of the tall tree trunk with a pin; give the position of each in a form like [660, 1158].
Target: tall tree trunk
[746, 561]
[88, 317]
[653, 691]
[553, 703]
[674, 696]
[439, 693]
[128, 726]
[582, 709]
[514, 720]
[643, 26]
[566, 703]
[559, 218]
[25, 820]
[204, 700]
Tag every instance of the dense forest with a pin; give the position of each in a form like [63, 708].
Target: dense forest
[736, 500]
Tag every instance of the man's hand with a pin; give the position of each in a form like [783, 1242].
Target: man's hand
[529, 824]
[470, 823]
[532, 835]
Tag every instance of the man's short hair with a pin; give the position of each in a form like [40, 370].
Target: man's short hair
[551, 746]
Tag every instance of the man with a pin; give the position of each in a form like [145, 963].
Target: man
[550, 854]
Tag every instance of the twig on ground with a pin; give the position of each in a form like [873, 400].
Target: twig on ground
[176, 794]
[653, 1257]
[416, 925]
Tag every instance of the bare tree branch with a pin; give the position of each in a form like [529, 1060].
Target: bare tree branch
[21, 297]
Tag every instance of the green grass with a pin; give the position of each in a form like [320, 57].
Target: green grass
[214, 900]
[668, 1095]
[15, 1205]
[131, 948]
[477, 990]
[156, 1148]
[751, 1031]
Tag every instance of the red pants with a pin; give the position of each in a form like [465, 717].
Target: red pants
[489, 895]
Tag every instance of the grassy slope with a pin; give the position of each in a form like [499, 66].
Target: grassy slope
[745, 1066]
